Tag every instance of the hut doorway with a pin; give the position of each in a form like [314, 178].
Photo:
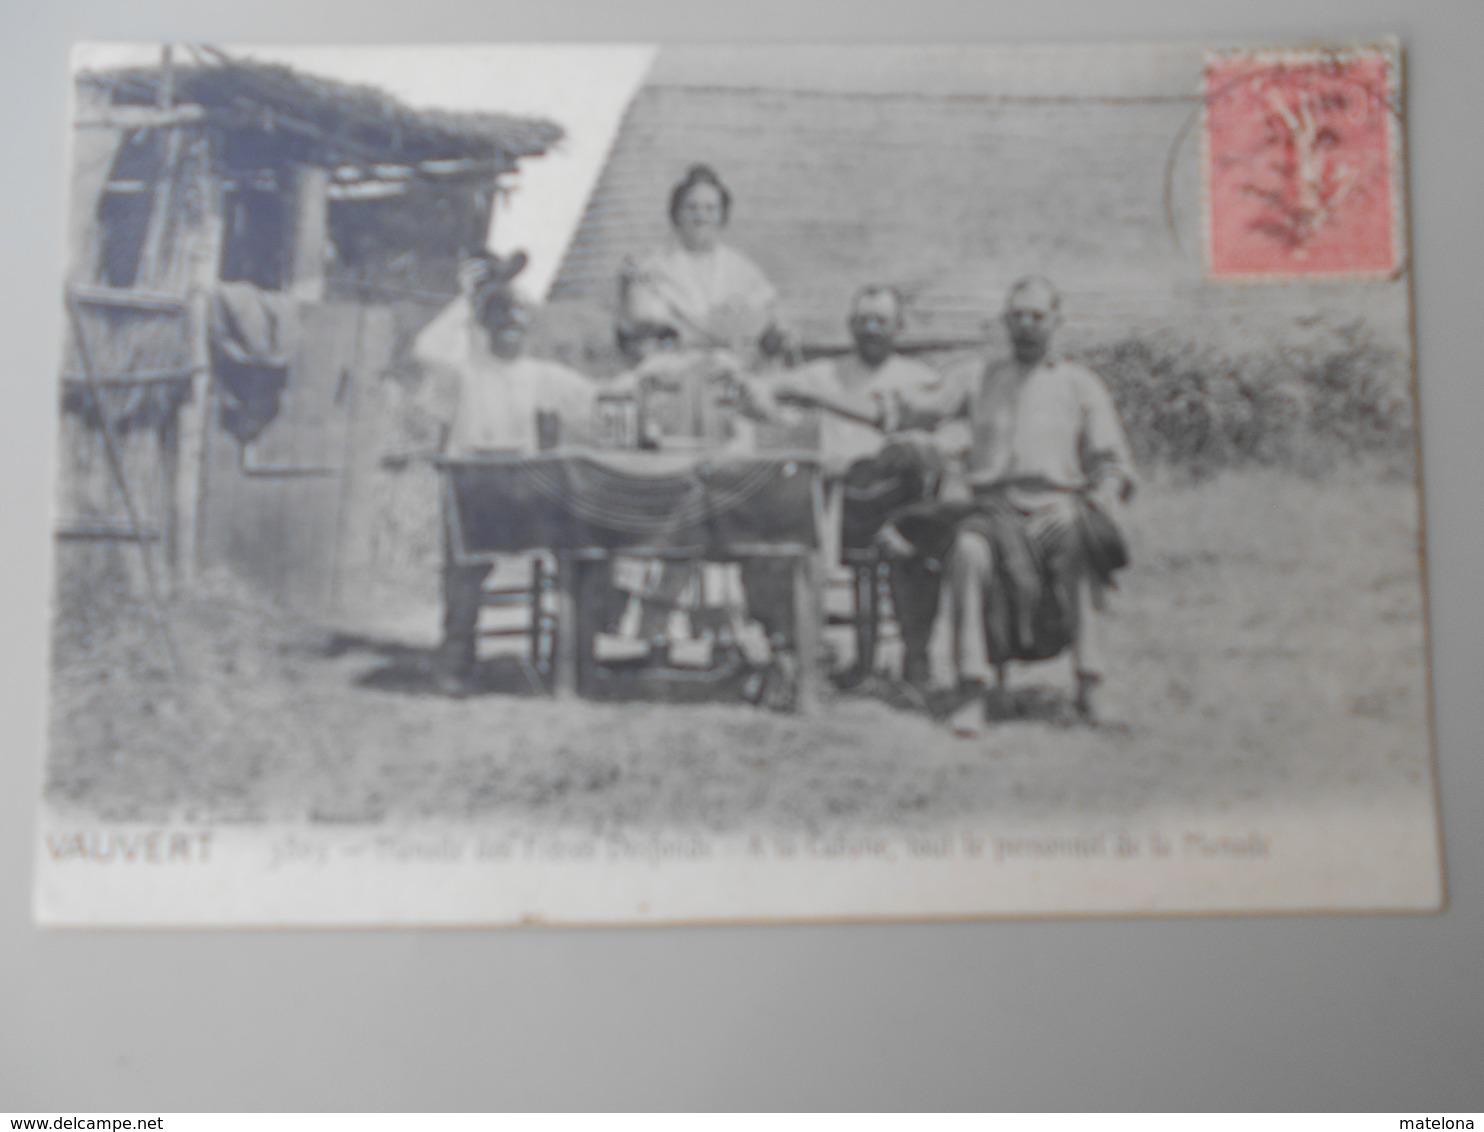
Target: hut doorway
[289, 510]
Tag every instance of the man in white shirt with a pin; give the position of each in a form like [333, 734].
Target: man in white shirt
[870, 383]
[865, 397]
[1048, 467]
[491, 399]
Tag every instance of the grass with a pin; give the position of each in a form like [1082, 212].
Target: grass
[1266, 648]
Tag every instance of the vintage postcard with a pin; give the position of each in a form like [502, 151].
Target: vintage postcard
[629, 484]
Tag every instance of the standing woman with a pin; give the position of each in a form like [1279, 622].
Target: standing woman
[695, 315]
[700, 292]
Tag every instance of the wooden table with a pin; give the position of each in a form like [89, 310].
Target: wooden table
[587, 506]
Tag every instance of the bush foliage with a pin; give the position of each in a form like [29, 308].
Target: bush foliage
[1341, 394]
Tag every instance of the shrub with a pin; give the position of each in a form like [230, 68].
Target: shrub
[1301, 405]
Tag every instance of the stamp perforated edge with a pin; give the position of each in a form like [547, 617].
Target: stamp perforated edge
[1390, 51]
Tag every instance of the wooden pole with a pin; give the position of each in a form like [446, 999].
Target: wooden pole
[347, 395]
[806, 632]
[197, 418]
[310, 236]
[167, 78]
[867, 615]
[591, 587]
[565, 662]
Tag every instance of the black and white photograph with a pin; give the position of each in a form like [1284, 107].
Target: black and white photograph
[556, 484]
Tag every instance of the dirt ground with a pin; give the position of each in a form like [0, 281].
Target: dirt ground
[1267, 648]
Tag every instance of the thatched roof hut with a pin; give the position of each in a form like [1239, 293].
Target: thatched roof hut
[398, 193]
[327, 206]
[323, 121]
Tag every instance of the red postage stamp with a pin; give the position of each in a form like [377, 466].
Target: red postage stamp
[1301, 161]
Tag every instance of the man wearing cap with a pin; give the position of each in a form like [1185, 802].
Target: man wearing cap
[488, 397]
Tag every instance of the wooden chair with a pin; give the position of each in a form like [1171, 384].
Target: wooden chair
[871, 617]
[538, 597]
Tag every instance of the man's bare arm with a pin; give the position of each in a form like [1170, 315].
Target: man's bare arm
[1107, 456]
[861, 410]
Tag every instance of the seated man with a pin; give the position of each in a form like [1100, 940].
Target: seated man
[1035, 544]
[491, 399]
[871, 465]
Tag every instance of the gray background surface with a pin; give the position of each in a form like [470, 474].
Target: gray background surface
[1266, 1013]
